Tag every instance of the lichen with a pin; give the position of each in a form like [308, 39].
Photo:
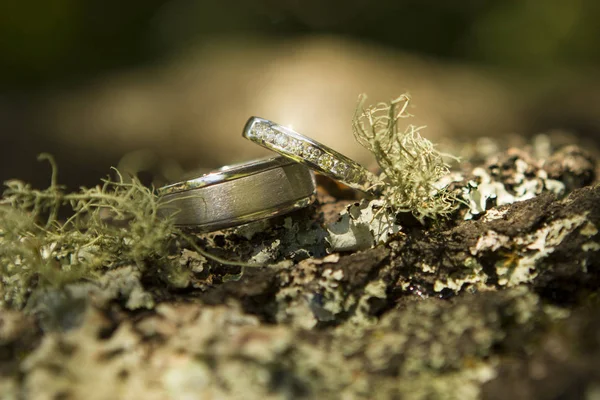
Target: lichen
[411, 166]
[276, 241]
[361, 226]
[471, 274]
[455, 310]
[113, 224]
[335, 327]
[428, 349]
[517, 176]
[535, 247]
[305, 308]
[487, 190]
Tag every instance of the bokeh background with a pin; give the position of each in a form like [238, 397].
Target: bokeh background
[166, 86]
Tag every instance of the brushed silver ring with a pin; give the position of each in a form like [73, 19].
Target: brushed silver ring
[239, 194]
[309, 152]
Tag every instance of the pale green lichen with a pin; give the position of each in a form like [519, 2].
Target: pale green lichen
[590, 246]
[411, 166]
[429, 349]
[113, 224]
[324, 301]
[299, 237]
[472, 274]
[589, 230]
[536, 247]
[361, 226]
[486, 190]
[522, 256]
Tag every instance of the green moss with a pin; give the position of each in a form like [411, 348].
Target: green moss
[411, 166]
[110, 225]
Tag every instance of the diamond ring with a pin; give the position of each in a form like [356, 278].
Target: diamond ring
[238, 194]
[306, 151]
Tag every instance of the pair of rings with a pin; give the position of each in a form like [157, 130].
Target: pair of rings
[243, 193]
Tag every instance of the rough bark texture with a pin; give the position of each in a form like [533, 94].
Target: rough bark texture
[503, 306]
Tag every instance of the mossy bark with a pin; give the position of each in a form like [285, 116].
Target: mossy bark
[504, 306]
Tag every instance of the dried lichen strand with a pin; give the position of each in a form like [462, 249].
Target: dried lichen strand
[411, 166]
[113, 224]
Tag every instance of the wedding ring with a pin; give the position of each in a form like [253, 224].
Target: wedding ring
[238, 194]
[308, 152]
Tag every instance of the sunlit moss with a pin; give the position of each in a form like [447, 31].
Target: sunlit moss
[411, 166]
[113, 224]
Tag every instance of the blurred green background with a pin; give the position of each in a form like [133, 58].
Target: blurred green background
[169, 84]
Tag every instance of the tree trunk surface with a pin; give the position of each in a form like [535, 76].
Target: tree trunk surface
[503, 305]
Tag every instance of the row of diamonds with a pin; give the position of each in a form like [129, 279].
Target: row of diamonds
[308, 151]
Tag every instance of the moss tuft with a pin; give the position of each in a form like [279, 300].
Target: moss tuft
[110, 225]
[411, 166]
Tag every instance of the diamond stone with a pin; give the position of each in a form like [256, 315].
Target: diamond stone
[281, 140]
[305, 150]
[262, 131]
[335, 166]
[359, 176]
[340, 168]
[326, 162]
[269, 135]
[294, 146]
[312, 154]
[351, 175]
